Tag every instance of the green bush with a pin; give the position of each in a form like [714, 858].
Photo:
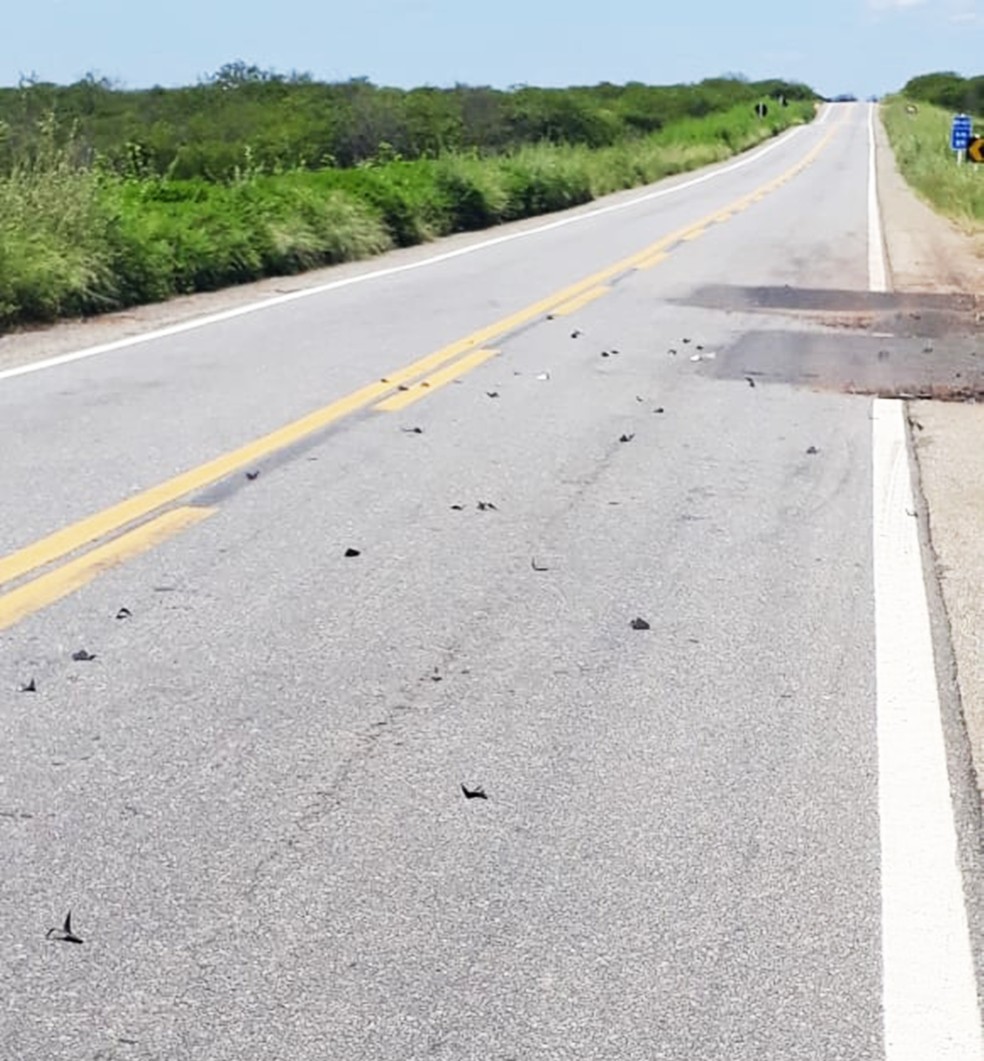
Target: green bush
[77, 240]
[921, 143]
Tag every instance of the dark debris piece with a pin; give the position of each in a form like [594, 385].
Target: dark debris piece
[538, 567]
[576, 333]
[659, 409]
[65, 933]
[349, 553]
[492, 394]
[750, 382]
[29, 687]
[474, 793]
[457, 508]
[486, 506]
[253, 475]
[82, 656]
[604, 353]
[812, 451]
[639, 624]
[626, 438]
[412, 430]
[124, 613]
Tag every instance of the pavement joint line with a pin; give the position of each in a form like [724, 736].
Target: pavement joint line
[929, 991]
[110, 521]
[67, 578]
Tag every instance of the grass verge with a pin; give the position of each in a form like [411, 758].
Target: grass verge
[77, 241]
[921, 143]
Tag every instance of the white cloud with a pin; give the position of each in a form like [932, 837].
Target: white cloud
[894, 5]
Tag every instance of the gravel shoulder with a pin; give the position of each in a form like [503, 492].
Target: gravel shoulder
[929, 253]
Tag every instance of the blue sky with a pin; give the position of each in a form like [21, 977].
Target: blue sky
[860, 46]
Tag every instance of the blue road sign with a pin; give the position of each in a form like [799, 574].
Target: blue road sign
[961, 132]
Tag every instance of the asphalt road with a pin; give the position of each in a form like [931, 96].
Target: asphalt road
[251, 800]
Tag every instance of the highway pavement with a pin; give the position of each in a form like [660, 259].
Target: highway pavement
[278, 587]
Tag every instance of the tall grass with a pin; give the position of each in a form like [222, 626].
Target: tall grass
[921, 143]
[76, 240]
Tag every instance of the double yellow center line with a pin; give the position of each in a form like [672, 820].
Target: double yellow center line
[149, 518]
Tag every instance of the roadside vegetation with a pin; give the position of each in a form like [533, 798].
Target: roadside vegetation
[111, 198]
[919, 133]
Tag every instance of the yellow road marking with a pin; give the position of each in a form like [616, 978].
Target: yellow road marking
[85, 532]
[581, 300]
[45, 590]
[432, 383]
[649, 263]
[694, 233]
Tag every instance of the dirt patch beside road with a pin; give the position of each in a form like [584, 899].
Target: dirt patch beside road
[927, 253]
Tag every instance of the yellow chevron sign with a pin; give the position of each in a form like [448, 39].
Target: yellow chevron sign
[975, 150]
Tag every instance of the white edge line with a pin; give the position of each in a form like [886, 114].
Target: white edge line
[378, 274]
[877, 277]
[929, 991]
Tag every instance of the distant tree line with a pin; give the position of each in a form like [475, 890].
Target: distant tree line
[949, 90]
[245, 118]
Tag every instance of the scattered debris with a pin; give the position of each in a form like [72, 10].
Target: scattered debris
[253, 475]
[614, 352]
[349, 553]
[686, 340]
[639, 624]
[412, 430]
[29, 687]
[671, 351]
[124, 613]
[492, 394]
[709, 356]
[65, 933]
[576, 333]
[699, 347]
[82, 656]
[604, 353]
[696, 357]
[883, 355]
[750, 382]
[538, 567]
[474, 793]
[639, 398]
[486, 506]
[424, 383]
[812, 451]
[544, 375]
[457, 508]
[550, 316]
[626, 438]
[436, 676]
[659, 409]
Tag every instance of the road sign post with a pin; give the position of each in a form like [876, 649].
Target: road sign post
[961, 134]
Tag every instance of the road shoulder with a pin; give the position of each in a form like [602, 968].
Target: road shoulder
[929, 253]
